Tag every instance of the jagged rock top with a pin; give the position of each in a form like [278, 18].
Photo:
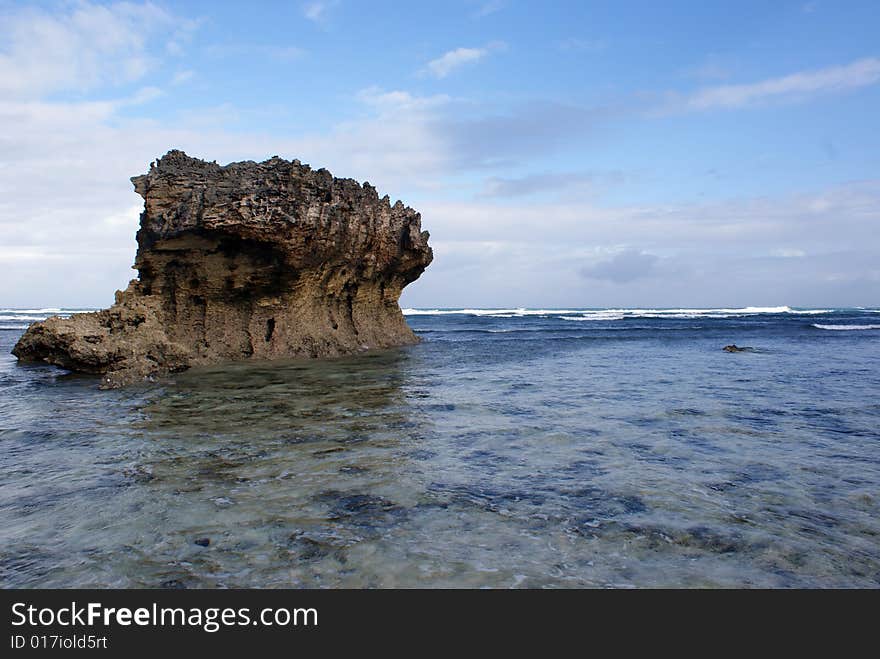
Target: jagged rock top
[318, 215]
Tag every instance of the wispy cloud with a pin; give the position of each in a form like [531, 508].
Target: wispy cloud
[143, 95]
[487, 8]
[796, 249]
[285, 53]
[182, 77]
[861, 73]
[317, 11]
[84, 46]
[455, 59]
[397, 101]
[63, 201]
[788, 253]
[497, 187]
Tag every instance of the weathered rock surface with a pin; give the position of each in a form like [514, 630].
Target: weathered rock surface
[251, 260]
[735, 348]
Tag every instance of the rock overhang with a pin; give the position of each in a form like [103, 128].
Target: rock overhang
[247, 260]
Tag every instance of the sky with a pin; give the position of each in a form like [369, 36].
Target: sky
[561, 154]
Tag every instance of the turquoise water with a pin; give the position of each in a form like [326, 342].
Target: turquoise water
[511, 448]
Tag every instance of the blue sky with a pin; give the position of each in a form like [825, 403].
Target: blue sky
[562, 154]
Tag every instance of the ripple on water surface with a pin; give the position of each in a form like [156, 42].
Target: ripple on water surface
[559, 455]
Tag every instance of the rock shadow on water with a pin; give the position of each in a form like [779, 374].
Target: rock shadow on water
[220, 466]
[285, 402]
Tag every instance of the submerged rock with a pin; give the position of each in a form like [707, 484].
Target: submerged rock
[248, 260]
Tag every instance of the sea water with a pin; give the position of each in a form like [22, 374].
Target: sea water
[510, 448]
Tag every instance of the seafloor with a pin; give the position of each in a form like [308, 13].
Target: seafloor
[508, 449]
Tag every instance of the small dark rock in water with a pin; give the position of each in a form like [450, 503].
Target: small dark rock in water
[735, 348]
[312, 549]
[203, 542]
[325, 451]
[173, 584]
[139, 474]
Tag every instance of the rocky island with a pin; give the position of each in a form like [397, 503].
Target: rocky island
[246, 261]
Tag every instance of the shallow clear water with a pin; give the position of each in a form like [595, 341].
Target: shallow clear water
[508, 449]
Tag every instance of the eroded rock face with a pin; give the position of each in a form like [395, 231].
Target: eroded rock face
[250, 260]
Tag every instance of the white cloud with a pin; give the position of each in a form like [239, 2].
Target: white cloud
[143, 95]
[861, 73]
[182, 77]
[788, 253]
[536, 254]
[487, 8]
[399, 101]
[286, 53]
[68, 212]
[65, 201]
[317, 11]
[839, 218]
[454, 59]
[84, 47]
[394, 147]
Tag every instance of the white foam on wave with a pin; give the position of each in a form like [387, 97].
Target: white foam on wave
[621, 314]
[49, 310]
[13, 317]
[616, 314]
[715, 313]
[13, 327]
[839, 328]
[602, 316]
[497, 313]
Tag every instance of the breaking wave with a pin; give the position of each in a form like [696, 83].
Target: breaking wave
[495, 313]
[617, 314]
[597, 316]
[846, 327]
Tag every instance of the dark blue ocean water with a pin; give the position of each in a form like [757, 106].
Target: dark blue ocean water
[511, 448]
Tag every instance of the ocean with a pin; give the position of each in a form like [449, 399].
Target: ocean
[511, 448]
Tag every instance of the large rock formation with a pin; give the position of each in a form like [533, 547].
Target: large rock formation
[250, 260]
